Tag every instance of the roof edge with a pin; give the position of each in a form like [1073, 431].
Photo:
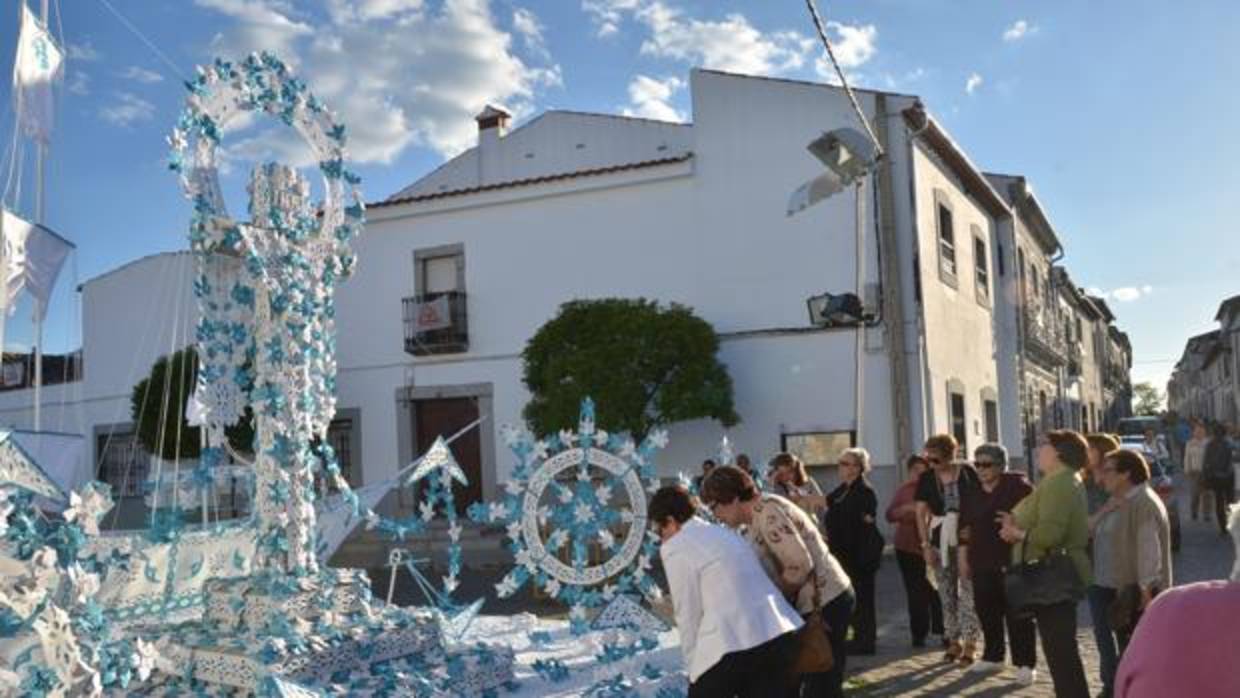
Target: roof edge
[936, 137]
[530, 181]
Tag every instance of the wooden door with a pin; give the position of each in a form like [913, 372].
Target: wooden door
[445, 417]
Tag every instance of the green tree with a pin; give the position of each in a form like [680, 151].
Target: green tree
[157, 406]
[645, 365]
[1146, 399]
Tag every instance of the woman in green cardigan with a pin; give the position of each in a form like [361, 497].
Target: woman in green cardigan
[1055, 517]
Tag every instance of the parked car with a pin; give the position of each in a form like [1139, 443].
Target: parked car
[1162, 481]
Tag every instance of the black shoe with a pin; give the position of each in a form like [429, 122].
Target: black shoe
[855, 648]
[919, 642]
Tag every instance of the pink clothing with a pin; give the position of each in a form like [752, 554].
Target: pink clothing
[1185, 645]
[901, 513]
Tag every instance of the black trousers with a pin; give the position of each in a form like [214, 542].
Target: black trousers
[992, 614]
[1057, 628]
[1223, 497]
[863, 621]
[836, 614]
[925, 610]
[757, 672]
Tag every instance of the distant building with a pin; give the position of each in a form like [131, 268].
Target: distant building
[1206, 380]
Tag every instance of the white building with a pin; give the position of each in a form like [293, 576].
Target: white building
[574, 205]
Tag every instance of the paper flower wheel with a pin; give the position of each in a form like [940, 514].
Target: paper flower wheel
[573, 494]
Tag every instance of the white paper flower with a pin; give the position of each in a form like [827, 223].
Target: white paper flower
[84, 584]
[658, 438]
[583, 513]
[144, 658]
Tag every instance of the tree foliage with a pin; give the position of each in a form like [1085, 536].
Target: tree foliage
[157, 407]
[644, 364]
[1147, 399]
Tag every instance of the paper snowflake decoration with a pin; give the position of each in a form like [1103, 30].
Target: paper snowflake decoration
[571, 494]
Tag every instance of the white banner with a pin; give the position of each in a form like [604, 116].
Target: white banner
[33, 256]
[39, 63]
[432, 315]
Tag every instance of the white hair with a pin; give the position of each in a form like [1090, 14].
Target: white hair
[860, 455]
[1233, 526]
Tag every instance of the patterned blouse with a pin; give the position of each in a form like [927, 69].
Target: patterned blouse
[789, 545]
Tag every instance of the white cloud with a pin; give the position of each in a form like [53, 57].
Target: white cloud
[346, 11]
[260, 25]
[971, 84]
[526, 23]
[391, 91]
[649, 98]
[127, 109]
[1122, 294]
[731, 44]
[85, 52]
[1019, 30]
[139, 74]
[854, 45]
[607, 15]
[78, 83]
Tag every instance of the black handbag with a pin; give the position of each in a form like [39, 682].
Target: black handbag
[1050, 580]
[871, 548]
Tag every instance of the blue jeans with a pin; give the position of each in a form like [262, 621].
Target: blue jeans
[1100, 599]
[836, 614]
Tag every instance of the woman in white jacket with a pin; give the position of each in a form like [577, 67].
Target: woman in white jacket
[736, 630]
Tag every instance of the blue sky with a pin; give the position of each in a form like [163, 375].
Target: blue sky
[1122, 115]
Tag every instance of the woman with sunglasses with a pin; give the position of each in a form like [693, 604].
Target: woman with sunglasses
[796, 558]
[984, 558]
[736, 630]
[939, 496]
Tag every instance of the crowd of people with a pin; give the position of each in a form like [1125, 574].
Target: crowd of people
[991, 563]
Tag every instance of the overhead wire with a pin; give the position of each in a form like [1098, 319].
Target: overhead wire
[143, 38]
[852, 97]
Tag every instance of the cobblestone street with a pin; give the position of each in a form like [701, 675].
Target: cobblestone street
[898, 670]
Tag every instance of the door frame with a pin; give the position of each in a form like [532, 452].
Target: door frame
[406, 424]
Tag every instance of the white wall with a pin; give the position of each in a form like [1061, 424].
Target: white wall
[959, 331]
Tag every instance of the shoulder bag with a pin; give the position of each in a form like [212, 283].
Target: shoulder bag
[1050, 580]
[813, 653]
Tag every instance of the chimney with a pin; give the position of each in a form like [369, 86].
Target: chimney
[492, 125]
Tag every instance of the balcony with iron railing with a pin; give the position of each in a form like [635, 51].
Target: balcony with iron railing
[436, 323]
[1044, 340]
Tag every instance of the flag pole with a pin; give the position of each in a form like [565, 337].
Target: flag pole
[40, 218]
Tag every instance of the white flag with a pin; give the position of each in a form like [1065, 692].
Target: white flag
[33, 256]
[433, 315]
[38, 65]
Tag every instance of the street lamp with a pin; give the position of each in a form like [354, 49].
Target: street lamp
[849, 156]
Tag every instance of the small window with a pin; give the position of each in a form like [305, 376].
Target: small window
[341, 436]
[1079, 334]
[981, 270]
[439, 274]
[992, 420]
[959, 424]
[123, 463]
[818, 448]
[1002, 262]
[947, 242]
